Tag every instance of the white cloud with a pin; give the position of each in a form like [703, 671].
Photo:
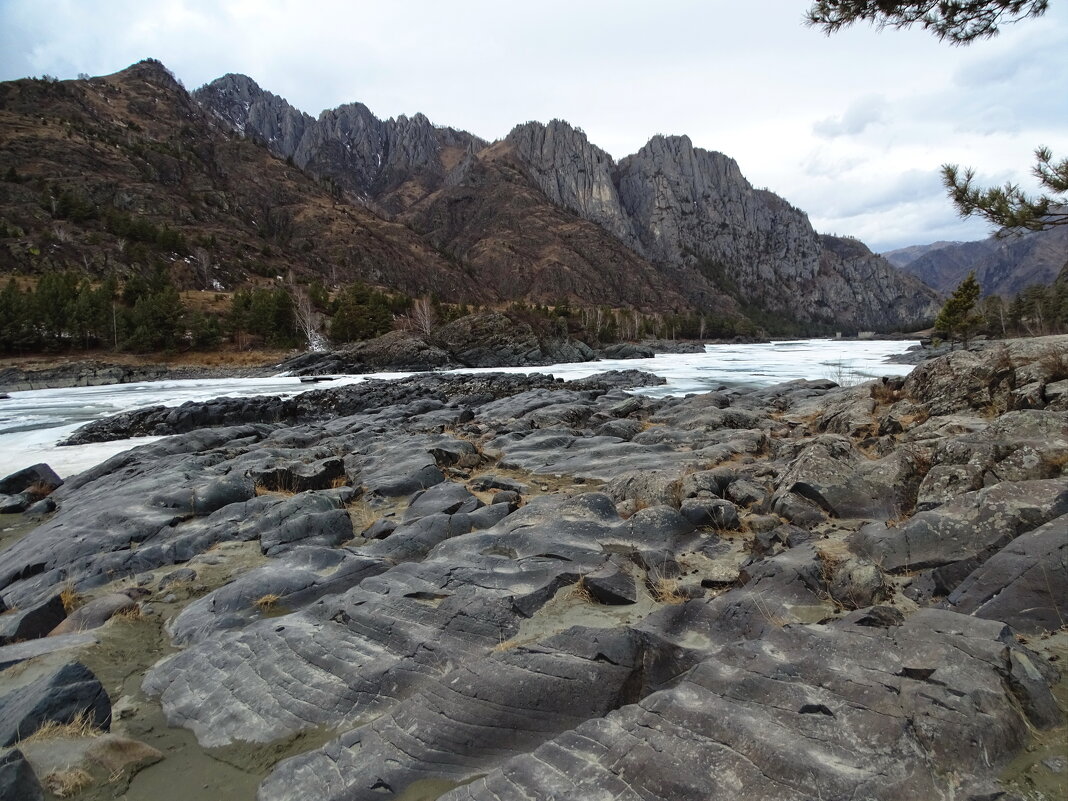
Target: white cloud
[856, 119]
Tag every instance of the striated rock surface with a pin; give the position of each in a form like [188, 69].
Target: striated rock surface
[509, 587]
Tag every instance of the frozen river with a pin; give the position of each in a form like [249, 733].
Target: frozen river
[32, 422]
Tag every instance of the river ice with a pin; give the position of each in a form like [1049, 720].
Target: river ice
[32, 422]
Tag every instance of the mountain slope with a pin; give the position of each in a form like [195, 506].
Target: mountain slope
[125, 172]
[693, 210]
[687, 213]
[1003, 266]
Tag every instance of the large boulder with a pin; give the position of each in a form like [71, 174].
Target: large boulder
[1025, 584]
[958, 536]
[59, 696]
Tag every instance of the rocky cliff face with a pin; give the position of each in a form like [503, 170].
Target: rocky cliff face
[685, 213]
[240, 103]
[1004, 266]
[390, 163]
[693, 210]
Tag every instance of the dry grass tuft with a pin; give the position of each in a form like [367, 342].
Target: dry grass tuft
[339, 481]
[82, 726]
[71, 599]
[263, 489]
[580, 593]
[40, 489]
[266, 603]
[666, 591]
[66, 783]
[131, 615]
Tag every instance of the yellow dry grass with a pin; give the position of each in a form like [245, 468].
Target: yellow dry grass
[81, 726]
[266, 603]
[67, 783]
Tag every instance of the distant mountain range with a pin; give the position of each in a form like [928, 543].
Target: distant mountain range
[1003, 265]
[257, 188]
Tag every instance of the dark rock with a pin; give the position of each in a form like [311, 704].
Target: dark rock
[513, 499]
[491, 482]
[444, 498]
[59, 696]
[610, 585]
[1025, 584]
[627, 350]
[18, 782]
[380, 529]
[715, 512]
[39, 476]
[33, 622]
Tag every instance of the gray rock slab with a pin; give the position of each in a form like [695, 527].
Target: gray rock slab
[970, 528]
[1025, 584]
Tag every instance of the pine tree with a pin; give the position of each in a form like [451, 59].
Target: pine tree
[958, 316]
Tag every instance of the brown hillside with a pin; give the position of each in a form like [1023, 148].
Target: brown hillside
[120, 173]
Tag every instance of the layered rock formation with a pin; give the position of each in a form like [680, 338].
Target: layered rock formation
[508, 587]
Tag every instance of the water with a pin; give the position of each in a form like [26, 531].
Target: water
[32, 422]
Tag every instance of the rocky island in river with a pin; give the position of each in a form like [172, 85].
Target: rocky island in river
[512, 587]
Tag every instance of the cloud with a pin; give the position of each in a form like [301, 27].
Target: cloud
[854, 120]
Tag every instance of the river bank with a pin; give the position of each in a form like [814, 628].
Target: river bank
[464, 586]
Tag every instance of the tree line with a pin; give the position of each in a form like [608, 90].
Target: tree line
[1036, 311]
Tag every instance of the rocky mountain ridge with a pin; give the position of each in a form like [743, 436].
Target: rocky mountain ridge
[689, 212]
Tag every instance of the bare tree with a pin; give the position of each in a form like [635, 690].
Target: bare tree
[421, 318]
[306, 318]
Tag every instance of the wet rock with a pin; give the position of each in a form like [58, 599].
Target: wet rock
[59, 696]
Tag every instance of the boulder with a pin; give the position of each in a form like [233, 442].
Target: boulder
[100, 610]
[18, 782]
[33, 622]
[40, 478]
[1025, 584]
[610, 585]
[59, 696]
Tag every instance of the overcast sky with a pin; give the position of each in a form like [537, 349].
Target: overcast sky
[851, 128]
